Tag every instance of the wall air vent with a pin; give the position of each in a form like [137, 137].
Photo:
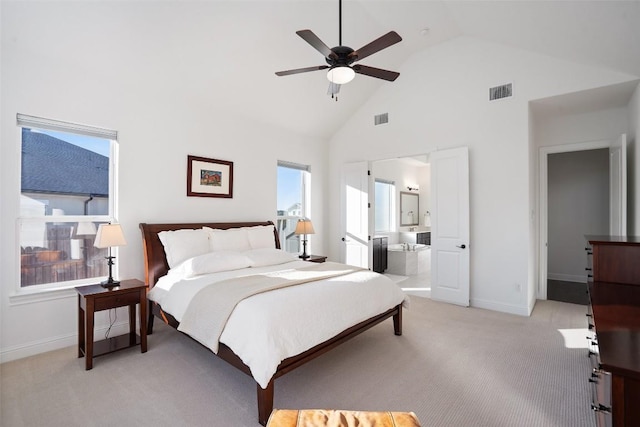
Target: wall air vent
[499, 92]
[381, 119]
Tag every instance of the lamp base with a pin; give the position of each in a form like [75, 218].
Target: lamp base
[304, 249]
[110, 283]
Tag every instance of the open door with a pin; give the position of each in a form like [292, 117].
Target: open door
[450, 226]
[355, 214]
[618, 187]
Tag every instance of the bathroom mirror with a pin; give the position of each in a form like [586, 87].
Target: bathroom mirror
[409, 212]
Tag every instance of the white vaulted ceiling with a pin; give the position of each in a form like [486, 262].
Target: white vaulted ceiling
[225, 53]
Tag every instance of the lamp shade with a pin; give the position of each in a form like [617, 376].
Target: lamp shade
[109, 235]
[304, 226]
[340, 74]
[85, 228]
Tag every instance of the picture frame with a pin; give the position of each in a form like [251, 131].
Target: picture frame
[209, 177]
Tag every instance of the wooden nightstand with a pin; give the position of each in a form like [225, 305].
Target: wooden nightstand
[316, 258]
[94, 298]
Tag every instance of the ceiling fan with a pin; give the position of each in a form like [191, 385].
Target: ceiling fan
[340, 59]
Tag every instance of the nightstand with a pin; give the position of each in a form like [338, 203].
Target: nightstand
[316, 258]
[94, 298]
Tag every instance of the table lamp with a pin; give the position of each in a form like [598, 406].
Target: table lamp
[109, 235]
[304, 227]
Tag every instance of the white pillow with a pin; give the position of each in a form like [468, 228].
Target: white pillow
[269, 256]
[261, 236]
[213, 262]
[180, 245]
[233, 239]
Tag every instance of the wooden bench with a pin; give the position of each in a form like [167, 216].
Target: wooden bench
[338, 418]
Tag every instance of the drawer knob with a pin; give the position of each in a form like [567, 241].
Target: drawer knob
[600, 408]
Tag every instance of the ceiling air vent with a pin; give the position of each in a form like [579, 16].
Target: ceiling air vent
[381, 119]
[499, 92]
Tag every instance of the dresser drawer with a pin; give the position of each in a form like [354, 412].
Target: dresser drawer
[117, 300]
[593, 351]
[603, 418]
[601, 397]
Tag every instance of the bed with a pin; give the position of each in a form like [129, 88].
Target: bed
[172, 297]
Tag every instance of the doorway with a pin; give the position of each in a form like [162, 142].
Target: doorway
[578, 205]
[582, 192]
[448, 215]
[405, 229]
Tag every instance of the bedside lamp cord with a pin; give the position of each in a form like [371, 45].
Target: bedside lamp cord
[111, 322]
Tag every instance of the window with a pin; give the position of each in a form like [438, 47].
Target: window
[293, 202]
[67, 190]
[385, 205]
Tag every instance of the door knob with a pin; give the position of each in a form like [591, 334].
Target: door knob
[461, 246]
[343, 239]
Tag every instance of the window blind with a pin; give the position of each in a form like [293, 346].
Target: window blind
[384, 181]
[26, 121]
[292, 165]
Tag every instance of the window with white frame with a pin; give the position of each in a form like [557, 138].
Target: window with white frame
[67, 191]
[293, 192]
[384, 205]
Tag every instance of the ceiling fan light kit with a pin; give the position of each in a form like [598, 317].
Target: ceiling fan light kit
[340, 74]
[341, 58]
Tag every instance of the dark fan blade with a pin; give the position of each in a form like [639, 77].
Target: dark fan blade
[301, 70]
[376, 72]
[377, 45]
[314, 41]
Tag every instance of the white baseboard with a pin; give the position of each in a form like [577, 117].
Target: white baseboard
[419, 292]
[532, 304]
[567, 277]
[56, 343]
[504, 308]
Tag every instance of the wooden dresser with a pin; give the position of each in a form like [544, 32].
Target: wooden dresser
[614, 293]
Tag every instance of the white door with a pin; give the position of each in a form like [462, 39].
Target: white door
[618, 187]
[450, 226]
[355, 214]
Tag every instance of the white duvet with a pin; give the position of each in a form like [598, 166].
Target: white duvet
[269, 327]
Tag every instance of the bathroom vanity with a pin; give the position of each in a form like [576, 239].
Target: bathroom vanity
[380, 254]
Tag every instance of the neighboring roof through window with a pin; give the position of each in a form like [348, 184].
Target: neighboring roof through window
[77, 170]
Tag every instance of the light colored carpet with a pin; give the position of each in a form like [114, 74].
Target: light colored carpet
[453, 366]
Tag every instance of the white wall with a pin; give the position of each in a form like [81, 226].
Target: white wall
[606, 124]
[157, 131]
[440, 101]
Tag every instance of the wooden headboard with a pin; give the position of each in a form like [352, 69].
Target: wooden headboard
[155, 261]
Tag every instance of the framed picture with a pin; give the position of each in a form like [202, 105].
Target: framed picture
[209, 177]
